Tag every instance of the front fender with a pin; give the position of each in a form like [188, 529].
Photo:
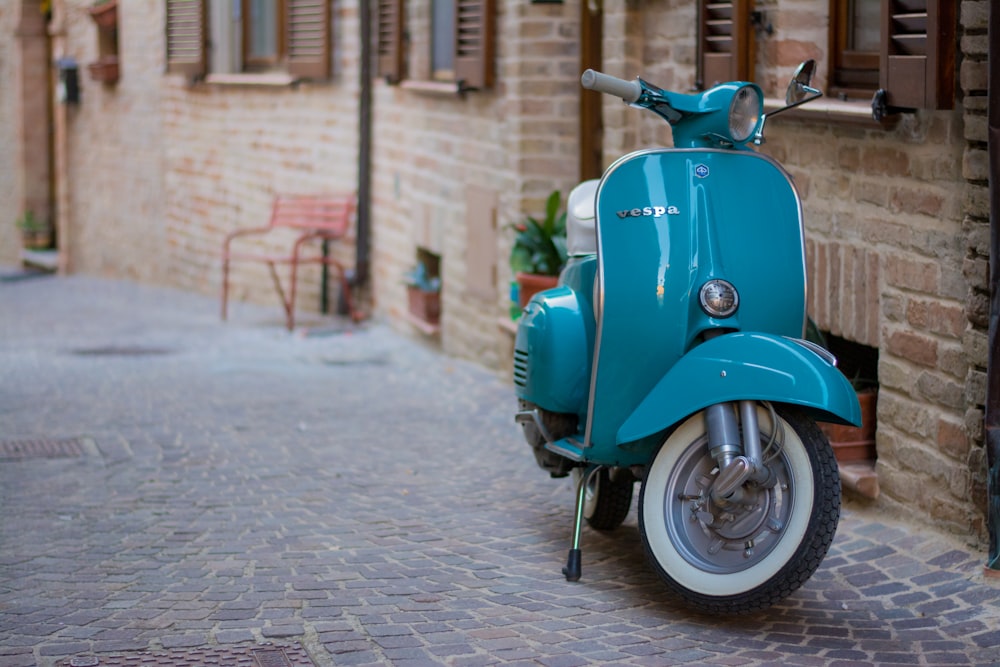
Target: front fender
[744, 366]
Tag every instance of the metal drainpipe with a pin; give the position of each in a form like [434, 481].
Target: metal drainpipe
[359, 276]
[60, 140]
[992, 418]
[364, 148]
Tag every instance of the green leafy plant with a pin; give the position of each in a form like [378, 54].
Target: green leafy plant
[540, 245]
[30, 224]
[419, 277]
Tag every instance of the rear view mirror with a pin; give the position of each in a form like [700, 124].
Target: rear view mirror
[799, 91]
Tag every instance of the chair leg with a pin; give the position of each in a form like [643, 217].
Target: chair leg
[291, 304]
[225, 288]
[285, 303]
[345, 287]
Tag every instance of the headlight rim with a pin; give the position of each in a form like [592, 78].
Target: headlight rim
[713, 311]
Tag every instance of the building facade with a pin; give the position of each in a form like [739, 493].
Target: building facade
[476, 115]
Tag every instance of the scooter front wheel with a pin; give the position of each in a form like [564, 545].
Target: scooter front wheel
[741, 557]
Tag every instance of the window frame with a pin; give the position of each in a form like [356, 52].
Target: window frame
[251, 62]
[305, 39]
[440, 14]
[474, 46]
[848, 68]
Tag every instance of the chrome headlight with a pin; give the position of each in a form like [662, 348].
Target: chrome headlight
[718, 298]
[744, 113]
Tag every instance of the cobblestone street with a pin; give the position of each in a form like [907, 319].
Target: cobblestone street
[178, 490]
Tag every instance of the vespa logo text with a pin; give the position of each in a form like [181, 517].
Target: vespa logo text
[649, 211]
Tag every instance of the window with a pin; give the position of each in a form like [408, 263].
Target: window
[904, 47]
[262, 33]
[443, 40]
[459, 38]
[724, 42]
[290, 36]
[855, 36]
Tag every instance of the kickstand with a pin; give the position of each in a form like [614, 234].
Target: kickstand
[574, 567]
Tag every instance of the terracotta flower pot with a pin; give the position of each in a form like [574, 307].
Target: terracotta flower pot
[36, 240]
[424, 305]
[105, 15]
[105, 69]
[529, 284]
[852, 443]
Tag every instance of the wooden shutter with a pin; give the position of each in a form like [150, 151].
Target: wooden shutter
[307, 26]
[725, 41]
[917, 61]
[186, 27]
[390, 39]
[474, 38]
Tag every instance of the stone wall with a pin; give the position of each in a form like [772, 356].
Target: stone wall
[158, 169]
[451, 171]
[230, 148]
[10, 142]
[25, 164]
[968, 446]
[896, 235]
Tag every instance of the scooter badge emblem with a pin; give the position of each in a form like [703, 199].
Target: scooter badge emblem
[701, 171]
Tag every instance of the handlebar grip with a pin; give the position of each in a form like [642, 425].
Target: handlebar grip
[611, 85]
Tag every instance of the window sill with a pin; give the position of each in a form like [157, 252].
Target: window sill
[273, 80]
[433, 88]
[833, 111]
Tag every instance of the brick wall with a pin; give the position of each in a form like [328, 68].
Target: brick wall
[896, 236]
[10, 172]
[24, 133]
[159, 170]
[230, 148]
[967, 445]
[113, 144]
[439, 156]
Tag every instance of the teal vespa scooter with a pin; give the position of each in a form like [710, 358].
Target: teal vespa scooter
[672, 354]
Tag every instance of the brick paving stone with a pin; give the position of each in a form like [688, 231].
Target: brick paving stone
[247, 485]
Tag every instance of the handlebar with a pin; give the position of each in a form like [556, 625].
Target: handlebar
[611, 85]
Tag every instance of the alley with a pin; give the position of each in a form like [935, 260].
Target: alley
[174, 488]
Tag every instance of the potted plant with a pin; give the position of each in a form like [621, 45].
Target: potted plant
[851, 444]
[36, 234]
[424, 294]
[104, 69]
[856, 443]
[105, 13]
[539, 251]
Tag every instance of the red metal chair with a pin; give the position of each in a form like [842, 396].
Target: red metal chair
[317, 218]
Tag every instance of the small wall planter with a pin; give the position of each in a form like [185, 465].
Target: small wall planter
[40, 240]
[424, 305]
[105, 14]
[104, 69]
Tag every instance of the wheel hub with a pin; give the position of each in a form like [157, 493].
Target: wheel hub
[740, 525]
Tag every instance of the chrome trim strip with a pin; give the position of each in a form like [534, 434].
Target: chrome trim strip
[599, 282]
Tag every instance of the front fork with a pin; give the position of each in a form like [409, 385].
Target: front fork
[739, 461]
